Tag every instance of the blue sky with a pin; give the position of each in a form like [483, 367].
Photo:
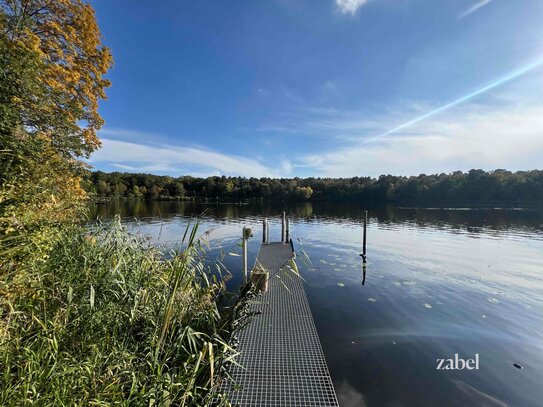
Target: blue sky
[322, 87]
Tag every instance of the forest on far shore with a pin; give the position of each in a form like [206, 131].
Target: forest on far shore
[475, 186]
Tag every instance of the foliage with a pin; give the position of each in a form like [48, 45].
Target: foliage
[39, 191]
[105, 320]
[475, 186]
[61, 43]
[52, 64]
[86, 318]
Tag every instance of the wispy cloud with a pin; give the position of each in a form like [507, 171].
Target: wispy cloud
[465, 137]
[523, 70]
[492, 126]
[474, 8]
[350, 6]
[176, 160]
[504, 130]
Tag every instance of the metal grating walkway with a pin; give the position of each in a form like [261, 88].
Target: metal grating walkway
[283, 362]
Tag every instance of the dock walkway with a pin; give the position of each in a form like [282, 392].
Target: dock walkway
[283, 362]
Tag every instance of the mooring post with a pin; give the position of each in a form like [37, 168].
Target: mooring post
[245, 236]
[267, 231]
[287, 234]
[244, 254]
[264, 233]
[283, 224]
[364, 238]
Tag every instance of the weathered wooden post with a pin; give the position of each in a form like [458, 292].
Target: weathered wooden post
[267, 231]
[245, 236]
[264, 233]
[364, 238]
[283, 225]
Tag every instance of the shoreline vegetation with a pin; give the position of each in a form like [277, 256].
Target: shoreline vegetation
[475, 187]
[88, 315]
[106, 318]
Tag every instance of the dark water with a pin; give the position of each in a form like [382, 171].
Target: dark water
[439, 282]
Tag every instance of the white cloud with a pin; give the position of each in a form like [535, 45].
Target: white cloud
[350, 6]
[463, 138]
[286, 166]
[180, 160]
[474, 8]
[349, 395]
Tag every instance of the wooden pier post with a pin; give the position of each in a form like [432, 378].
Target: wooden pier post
[264, 232]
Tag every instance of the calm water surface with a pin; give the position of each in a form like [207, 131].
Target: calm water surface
[439, 282]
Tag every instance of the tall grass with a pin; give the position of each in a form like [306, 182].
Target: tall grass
[106, 320]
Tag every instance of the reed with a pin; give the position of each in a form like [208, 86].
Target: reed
[105, 319]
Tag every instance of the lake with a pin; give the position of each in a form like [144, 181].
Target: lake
[438, 282]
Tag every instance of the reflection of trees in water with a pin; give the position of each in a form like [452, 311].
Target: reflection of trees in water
[472, 220]
[452, 219]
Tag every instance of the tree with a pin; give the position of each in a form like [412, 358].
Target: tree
[52, 67]
[303, 192]
[459, 187]
[103, 188]
[178, 189]
[155, 191]
[39, 191]
[119, 189]
[136, 191]
[61, 43]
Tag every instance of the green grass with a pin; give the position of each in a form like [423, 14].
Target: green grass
[106, 320]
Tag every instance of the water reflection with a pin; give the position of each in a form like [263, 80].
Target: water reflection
[456, 220]
[442, 282]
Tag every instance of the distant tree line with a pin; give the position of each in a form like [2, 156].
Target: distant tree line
[473, 186]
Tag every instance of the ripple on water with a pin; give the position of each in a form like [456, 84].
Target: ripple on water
[460, 259]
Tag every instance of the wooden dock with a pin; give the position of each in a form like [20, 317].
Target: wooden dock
[280, 353]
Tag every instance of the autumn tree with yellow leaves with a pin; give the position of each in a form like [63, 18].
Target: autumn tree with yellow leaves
[88, 315]
[52, 68]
